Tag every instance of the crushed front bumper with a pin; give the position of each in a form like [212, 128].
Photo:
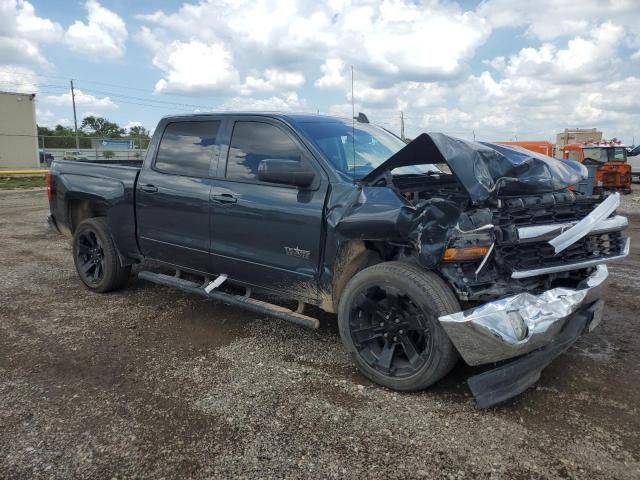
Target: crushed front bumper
[514, 377]
[512, 326]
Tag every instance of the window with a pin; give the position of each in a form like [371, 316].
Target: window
[251, 143]
[595, 154]
[187, 148]
[356, 149]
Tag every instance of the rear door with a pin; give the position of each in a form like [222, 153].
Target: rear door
[172, 193]
[266, 234]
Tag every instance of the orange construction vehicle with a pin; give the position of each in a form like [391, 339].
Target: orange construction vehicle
[538, 146]
[614, 173]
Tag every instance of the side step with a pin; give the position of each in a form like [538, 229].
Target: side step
[236, 300]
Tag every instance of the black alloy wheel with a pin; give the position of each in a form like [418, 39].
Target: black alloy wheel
[390, 332]
[90, 257]
[388, 321]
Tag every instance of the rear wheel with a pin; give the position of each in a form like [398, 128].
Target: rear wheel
[96, 258]
[388, 319]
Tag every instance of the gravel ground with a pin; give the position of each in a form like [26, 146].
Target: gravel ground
[152, 383]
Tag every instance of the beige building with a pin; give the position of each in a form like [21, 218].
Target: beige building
[18, 131]
[577, 135]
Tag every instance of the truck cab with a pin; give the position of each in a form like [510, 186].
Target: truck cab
[614, 173]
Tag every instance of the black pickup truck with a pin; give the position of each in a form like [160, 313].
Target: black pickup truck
[426, 251]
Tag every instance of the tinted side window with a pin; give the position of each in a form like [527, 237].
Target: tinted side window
[252, 142]
[187, 148]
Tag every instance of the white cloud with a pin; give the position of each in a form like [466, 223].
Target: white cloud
[333, 70]
[585, 59]
[272, 80]
[549, 19]
[274, 103]
[379, 39]
[147, 38]
[131, 124]
[82, 99]
[22, 32]
[29, 25]
[102, 37]
[47, 118]
[18, 79]
[192, 67]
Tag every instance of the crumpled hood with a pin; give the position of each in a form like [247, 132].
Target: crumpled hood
[484, 168]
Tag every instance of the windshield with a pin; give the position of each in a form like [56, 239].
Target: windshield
[606, 154]
[372, 147]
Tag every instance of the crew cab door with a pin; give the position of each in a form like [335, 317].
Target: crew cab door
[173, 190]
[266, 234]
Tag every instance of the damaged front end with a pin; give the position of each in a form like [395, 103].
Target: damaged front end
[524, 254]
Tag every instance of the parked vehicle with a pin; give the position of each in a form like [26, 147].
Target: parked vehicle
[614, 173]
[494, 260]
[45, 158]
[538, 146]
[633, 159]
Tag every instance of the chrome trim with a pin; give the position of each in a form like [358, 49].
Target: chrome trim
[538, 233]
[484, 260]
[572, 266]
[488, 226]
[516, 325]
[588, 223]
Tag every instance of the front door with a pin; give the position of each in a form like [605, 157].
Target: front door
[266, 234]
[172, 195]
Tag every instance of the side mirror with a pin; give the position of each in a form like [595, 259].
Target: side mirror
[289, 172]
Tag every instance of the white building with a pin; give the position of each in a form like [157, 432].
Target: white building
[18, 131]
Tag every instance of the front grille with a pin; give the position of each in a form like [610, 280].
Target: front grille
[544, 209]
[527, 256]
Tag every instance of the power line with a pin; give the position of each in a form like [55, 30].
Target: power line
[145, 99]
[82, 80]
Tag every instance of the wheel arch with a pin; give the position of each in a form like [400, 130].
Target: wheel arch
[80, 209]
[354, 256]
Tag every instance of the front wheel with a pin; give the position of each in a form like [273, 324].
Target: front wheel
[96, 258]
[388, 320]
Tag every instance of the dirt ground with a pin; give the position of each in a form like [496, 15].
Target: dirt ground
[152, 383]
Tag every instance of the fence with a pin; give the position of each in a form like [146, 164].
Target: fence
[19, 151]
[92, 148]
[48, 155]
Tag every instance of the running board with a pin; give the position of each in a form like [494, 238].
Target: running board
[243, 301]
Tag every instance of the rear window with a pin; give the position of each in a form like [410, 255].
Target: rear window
[187, 148]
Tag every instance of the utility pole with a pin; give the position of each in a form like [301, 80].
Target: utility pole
[75, 118]
[474, 136]
[402, 125]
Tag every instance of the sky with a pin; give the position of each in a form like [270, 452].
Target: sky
[490, 70]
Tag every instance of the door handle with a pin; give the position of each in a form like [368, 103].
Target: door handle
[224, 198]
[149, 188]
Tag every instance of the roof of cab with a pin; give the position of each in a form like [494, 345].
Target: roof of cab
[292, 118]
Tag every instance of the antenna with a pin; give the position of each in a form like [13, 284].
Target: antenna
[353, 127]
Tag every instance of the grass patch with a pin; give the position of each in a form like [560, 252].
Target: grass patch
[12, 183]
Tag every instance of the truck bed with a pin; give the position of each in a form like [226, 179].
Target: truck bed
[110, 187]
[124, 163]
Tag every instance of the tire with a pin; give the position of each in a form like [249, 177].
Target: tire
[96, 257]
[392, 291]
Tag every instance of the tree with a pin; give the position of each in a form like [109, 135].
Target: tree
[140, 136]
[101, 127]
[61, 137]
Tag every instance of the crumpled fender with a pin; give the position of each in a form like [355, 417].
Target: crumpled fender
[381, 214]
